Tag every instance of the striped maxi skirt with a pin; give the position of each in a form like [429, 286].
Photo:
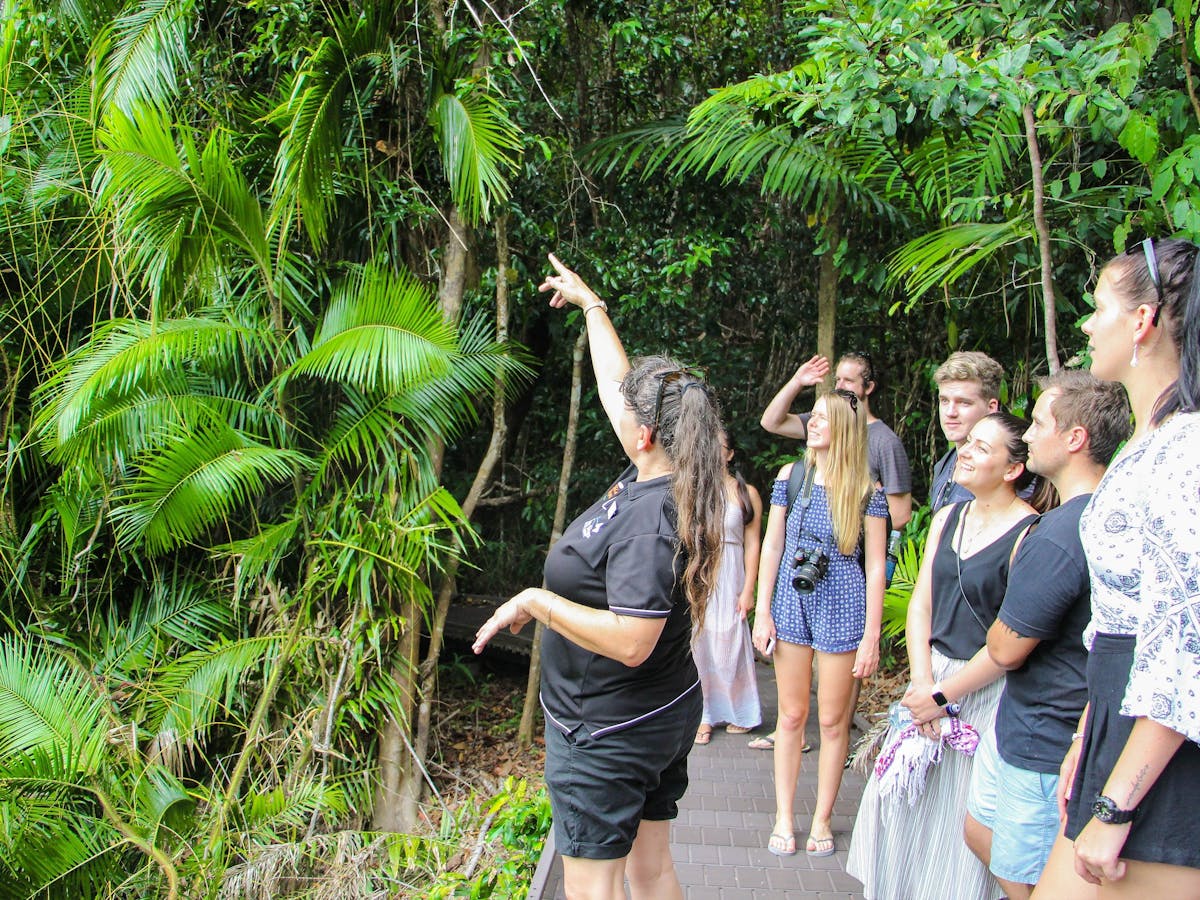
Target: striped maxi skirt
[900, 852]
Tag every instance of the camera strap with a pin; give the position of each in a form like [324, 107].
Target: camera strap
[800, 483]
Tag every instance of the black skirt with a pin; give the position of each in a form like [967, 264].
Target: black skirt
[1166, 828]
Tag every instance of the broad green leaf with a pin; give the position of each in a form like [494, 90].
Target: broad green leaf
[1140, 137]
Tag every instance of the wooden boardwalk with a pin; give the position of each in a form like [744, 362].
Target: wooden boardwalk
[720, 838]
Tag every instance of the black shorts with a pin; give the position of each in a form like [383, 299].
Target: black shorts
[602, 788]
[1164, 829]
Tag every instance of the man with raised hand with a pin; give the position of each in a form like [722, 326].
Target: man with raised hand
[1012, 810]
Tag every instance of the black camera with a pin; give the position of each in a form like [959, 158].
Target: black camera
[811, 566]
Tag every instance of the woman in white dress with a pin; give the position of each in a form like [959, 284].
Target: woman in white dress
[1130, 784]
[722, 649]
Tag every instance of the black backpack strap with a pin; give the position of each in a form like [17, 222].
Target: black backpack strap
[801, 476]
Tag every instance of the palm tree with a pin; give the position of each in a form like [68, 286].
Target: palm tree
[230, 472]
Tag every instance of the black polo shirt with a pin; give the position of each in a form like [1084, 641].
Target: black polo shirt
[620, 554]
[1049, 597]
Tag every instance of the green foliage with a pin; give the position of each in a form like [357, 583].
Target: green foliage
[904, 580]
[226, 368]
[516, 824]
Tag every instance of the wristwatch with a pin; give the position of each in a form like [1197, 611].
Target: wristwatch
[938, 697]
[1106, 810]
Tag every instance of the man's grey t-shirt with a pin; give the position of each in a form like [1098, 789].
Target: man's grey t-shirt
[885, 457]
[887, 460]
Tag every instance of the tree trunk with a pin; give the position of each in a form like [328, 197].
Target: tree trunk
[1043, 233]
[483, 477]
[525, 731]
[398, 788]
[827, 282]
[402, 790]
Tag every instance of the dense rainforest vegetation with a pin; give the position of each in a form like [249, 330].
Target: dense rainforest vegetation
[278, 385]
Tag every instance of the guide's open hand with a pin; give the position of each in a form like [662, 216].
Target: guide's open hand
[511, 615]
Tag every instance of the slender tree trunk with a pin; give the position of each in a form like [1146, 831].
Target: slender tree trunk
[1043, 233]
[483, 477]
[1187, 28]
[827, 282]
[525, 731]
[398, 790]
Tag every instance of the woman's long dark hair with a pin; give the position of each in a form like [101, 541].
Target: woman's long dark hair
[688, 428]
[1178, 264]
[1044, 497]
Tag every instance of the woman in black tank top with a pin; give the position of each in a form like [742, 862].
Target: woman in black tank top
[916, 851]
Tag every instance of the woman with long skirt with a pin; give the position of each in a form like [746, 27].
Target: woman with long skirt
[908, 836]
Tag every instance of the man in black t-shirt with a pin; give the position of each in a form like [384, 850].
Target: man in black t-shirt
[1012, 821]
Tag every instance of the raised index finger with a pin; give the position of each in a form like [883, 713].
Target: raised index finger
[558, 266]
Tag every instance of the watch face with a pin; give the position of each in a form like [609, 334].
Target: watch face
[1105, 810]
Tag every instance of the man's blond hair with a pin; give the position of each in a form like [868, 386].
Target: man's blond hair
[971, 365]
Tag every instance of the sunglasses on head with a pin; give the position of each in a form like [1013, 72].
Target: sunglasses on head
[850, 397]
[1152, 267]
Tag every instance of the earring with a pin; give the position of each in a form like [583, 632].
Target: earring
[1134, 361]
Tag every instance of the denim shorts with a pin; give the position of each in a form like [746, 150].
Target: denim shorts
[1021, 809]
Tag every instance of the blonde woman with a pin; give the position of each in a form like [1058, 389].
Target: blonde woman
[820, 593]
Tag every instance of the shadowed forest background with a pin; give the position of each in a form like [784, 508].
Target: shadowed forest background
[278, 387]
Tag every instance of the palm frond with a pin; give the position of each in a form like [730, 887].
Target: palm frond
[195, 481]
[49, 704]
[178, 608]
[899, 592]
[316, 117]
[195, 692]
[382, 331]
[283, 812]
[54, 843]
[180, 208]
[111, 368]
[147, 48]
[725, 139]
[479, 144]
[369, 428]
[260, 554]
[943, 256]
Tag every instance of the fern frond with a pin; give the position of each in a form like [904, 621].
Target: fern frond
[195, 481]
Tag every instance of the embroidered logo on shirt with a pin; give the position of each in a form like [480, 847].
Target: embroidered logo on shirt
[593, 526]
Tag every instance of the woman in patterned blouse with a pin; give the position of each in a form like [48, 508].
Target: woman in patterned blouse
[1131, 781]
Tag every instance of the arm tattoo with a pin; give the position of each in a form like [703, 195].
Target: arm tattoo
[1010, 631]
[1137, 785]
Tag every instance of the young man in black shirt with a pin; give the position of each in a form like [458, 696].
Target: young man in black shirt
[968, 385]
[1012, 821]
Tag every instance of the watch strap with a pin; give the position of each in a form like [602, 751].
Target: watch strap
[1105, 810]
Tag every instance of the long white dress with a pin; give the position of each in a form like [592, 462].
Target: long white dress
[723, 652]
